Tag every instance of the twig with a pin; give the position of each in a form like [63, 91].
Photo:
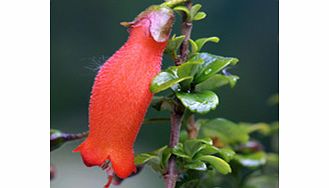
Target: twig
[186, 30]
[172, 173]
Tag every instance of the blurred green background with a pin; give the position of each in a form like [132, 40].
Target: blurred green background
[85, 33]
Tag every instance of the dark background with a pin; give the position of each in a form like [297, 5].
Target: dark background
[85, 33]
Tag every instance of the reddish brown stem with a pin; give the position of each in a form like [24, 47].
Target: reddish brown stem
[172, 173]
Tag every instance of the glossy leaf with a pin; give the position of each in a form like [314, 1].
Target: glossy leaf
[202, 41]
[165, 80]
[225, 131]
[212, 64]
[199, 16]
[217, 81]
[196, 165]
[218, 163]
[227, 153]
[200, 102]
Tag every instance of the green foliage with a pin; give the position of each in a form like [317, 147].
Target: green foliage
[217, 81]
[218, 163]
[165, 80]
[157, 159]
[193, 154]
[224, 130]
[212, 65]
[200, 102]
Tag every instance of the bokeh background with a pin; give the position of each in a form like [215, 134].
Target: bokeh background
[85, 33]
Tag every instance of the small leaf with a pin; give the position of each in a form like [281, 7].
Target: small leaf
[143, 158]
[202, 41]
[217, 81]
[199, 16]
[194, 46]
[165, 80]
[227, 153]
[224, 130]
[251, 160]
[195, 9]
[174, 43]
[179, 151]
[189, 68]
[196, 165]
[218, 163]
[165, 156]
[212, 64]
[200, 102]
[183, 9]
[191, 147]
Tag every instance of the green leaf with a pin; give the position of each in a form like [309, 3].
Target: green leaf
[227, 153]
[165, 156]
[202, 41]
[156, 159]
[262, 128]
[196, 165]
[251, 160]
[179, 151]
[217, 81]
[188, 68]
[200, 102]
[226, 131]
[199, 16]
[174, 43]
[212, 64]
[191, 147]
[218, 163]
[143, 158]
[183, 9]
[194, 46]
[165, 80]
[195, 9]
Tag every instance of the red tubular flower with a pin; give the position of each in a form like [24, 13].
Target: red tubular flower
[121, 95]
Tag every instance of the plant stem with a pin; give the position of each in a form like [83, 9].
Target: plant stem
[70, 137]
[176, 122]
[186, 30]
[177, 113]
